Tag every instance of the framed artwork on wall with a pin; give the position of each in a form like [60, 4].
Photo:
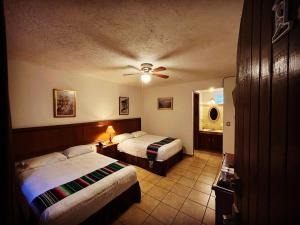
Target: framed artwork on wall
[165, 103]
[123, 105]
[64, 103]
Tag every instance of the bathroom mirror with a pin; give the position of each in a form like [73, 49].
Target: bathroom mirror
[213, 113]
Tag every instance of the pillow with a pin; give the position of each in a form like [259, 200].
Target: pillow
[122, 137]
[79, 150]
[43, 160]
[138, 133]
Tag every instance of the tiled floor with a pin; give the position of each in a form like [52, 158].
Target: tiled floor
[184, 196]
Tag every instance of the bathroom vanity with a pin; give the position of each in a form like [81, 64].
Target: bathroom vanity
[210, 140]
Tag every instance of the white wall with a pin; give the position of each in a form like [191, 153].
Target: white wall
[31, 99]
[31, 102]
[179, 121]
[229, 116]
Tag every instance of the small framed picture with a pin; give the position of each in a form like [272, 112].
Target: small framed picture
[165, 103]
[64, 103]
[123, 105]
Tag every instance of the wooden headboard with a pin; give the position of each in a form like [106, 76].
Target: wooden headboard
[35, 141]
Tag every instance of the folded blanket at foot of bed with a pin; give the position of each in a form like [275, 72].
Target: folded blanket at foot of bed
[54, 195]
[152, 149]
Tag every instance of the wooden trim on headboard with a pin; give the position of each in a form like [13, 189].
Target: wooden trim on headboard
[35, 141]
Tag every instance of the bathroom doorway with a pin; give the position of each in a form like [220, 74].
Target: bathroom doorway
[208, 119]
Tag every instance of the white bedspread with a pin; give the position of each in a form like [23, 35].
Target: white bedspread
[77, 207]
[138, 146]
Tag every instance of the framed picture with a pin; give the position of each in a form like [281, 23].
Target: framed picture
[165, 103]
[64, 103]
[123, 105]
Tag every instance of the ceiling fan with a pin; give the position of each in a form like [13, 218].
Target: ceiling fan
[146, 72]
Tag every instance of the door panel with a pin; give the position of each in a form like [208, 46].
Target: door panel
[267, 118]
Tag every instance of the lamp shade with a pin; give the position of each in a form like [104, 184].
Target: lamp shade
[110, 130]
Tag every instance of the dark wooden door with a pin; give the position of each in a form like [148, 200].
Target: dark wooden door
[196, 120]
[267, 118]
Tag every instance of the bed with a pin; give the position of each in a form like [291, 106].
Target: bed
[96, 202]
[133, 150]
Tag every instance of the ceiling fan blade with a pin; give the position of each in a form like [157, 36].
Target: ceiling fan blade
[129, 74]
[120, 67]
[134, 67]
[160, 75]
[161, 68]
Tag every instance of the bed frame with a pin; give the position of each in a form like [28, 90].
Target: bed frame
[159, 167]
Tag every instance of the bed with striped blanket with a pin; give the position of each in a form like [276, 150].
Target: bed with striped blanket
[70, 191]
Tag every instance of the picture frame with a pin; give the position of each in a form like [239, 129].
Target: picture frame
[123, 105]
[64, 103]
[165, 103]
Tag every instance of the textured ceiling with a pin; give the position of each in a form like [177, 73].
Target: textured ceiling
[194, 39]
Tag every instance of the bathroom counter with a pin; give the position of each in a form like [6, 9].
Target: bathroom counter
[212, 132]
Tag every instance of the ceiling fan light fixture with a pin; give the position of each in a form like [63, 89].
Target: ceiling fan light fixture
[145, 78]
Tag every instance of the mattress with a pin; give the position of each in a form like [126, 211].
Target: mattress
[75, 208]
[138, 146]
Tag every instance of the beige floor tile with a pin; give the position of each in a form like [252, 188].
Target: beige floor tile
[179, 171]
[153, 178]
[152, 221]
[181, 190]
[165, 184]
[206, 179]
[164, 213]
[198, 164]
[211, 169]
[133, 216]
[212, 203]
[193, 209]
[157, 192]
[194, 169]
[141, 176]
[216, 164]
[191, 175]
[181, 219]
[209, 174]
[213, 193]
[186, 182]
[183, 166]
[147, 203]
[205, 188]
[173, 200]
[199, 197]
[173, 176]
[209, 217]
[146, 186]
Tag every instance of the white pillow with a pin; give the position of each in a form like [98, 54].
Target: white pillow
[122, 137]
[79, 150]
[138, 133]
[43, 160]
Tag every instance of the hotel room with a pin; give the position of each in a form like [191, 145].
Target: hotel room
[149, 112]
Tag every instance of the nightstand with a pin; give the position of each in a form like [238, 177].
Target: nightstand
[110, 150]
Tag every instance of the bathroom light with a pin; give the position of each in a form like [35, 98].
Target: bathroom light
[145, 78]
[212, 101]
[211, 89]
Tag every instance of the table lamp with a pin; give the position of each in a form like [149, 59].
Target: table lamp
[110, 130]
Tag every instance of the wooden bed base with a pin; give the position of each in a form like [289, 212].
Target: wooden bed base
[108, 213]
[159, 167]
[116, 207]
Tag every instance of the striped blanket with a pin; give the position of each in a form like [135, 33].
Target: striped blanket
[153, 149]
[54, 195]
